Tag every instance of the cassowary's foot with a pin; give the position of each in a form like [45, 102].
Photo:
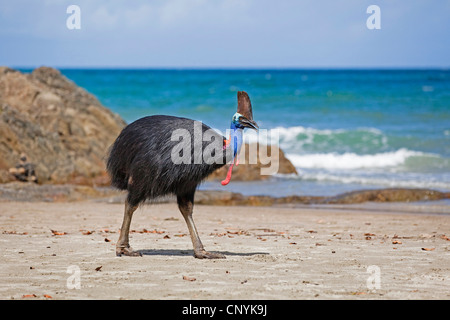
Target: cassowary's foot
[203, 254]
[127, 251]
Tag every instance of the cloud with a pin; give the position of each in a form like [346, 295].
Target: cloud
[103, 18]
[226, 33]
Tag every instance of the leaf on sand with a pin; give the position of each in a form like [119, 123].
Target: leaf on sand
[428, 249]
[29, 296]
[98, 268]
[189, 278]
[218, 234]
[107, 240]
[396, 242]
[48, 296]
[58, 233]
[239, 232]
[151, 231]
[14, 232]
[147, 231]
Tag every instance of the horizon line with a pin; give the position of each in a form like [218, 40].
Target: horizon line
[234, 68]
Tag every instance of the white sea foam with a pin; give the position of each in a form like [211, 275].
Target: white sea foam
[352, 160]
[394, 181]
[355, 156]
[295, 138]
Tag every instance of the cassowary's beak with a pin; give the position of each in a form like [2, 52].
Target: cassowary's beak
[248, 123]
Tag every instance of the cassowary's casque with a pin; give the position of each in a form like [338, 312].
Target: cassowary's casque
[141, 161]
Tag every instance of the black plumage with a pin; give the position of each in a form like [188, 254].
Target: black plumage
[140, 159]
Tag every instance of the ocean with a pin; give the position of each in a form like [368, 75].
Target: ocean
[343, 130]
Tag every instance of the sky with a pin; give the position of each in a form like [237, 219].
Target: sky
[225, 34]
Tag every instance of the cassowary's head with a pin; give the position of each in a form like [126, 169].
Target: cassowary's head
[243, 118]
[240, 122]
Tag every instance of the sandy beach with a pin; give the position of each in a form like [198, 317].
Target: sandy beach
[66, 250]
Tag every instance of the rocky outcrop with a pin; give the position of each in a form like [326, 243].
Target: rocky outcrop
[64, 130]
[387, 195]
[361, 196]
[19, 191]
[252, 162]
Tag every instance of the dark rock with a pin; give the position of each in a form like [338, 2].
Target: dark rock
[387, 195]
[251, 164]
[18, 191]
[382, 195]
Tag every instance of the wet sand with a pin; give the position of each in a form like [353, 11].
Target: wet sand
[66, 250]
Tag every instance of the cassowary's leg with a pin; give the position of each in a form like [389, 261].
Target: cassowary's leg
[123, 246]
[186, 205]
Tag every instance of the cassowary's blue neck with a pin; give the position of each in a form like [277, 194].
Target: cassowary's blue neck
[236, 139]
[235, 144]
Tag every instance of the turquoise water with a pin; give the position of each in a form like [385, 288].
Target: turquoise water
[342, 129]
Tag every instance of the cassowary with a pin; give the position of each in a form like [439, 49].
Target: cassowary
[144, 160]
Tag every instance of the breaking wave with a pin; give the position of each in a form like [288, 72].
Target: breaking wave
[355, 161]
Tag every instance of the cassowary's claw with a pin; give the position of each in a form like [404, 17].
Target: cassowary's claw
[127, 251]
[208, 255]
